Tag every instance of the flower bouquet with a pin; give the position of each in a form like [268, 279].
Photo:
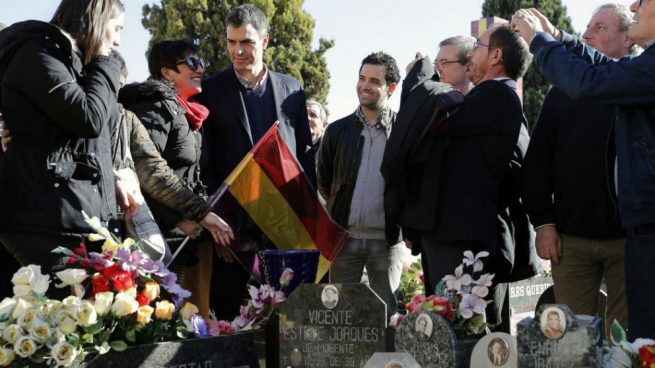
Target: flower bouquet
[623, 354]
[120, 297]
[460, 297]
[411, 283]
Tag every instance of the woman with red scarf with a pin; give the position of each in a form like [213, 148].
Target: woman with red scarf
[164, 104]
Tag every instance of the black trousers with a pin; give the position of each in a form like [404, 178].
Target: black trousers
[228, 285]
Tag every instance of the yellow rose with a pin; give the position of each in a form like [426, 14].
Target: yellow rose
[124, 304]
[164, 310]
[63, 353]
[40, 333]
[188, 310]
[143, 314]
[12, 333]
[86, 314]
[25, 346]
[6, 356]
[103, 302]
[151, 290]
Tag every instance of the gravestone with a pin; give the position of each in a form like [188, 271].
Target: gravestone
[392, 360]
[495, 350]
[524, 297]
[429, 338]
[331, 325]
[558, 338]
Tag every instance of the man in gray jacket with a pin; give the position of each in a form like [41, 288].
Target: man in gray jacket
[349, 179]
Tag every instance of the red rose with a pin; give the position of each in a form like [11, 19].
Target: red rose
[81, 250]
[121, 280]
[412, 307]
[142, 299]
[647, 355]
[100, 284]
[418, 299]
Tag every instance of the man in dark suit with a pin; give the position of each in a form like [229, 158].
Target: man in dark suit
[244, 101]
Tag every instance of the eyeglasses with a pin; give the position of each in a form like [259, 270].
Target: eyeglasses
[444, 62]
[477, 44]
[193, 63]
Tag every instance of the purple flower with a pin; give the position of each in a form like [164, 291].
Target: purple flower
[243, 319]
[471, 304]
[255, 297]
[485, 280]
[199, 326]
[470, 259]
[455, 282]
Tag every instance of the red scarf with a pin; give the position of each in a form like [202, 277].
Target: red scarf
[195, 113]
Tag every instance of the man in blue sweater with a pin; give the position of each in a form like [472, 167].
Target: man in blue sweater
[628, 83]
[567, 193]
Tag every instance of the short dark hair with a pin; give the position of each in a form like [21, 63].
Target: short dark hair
[86, 21]
[516, 55]
[391, 73]
[247, 14]
[168, 54]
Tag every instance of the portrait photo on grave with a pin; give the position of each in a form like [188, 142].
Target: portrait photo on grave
[553, 323]
[423, 327]
[498, 351]
[330, 296]
[394, 364]
[295, 358]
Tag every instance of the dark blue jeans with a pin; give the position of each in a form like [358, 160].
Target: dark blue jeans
[640, 281]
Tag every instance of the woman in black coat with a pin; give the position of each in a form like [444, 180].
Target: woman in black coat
[58, 91]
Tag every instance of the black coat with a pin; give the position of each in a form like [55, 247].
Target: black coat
[59, 162]
[154, 102]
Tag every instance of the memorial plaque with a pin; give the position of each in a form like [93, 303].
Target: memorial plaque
[495, 350]
[392, 360]
[331, 325]
[556, 337]
[429, 338]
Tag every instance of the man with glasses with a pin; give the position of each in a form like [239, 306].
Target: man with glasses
[452, 62]
[244, 101]
[628, 84]
[567, 191]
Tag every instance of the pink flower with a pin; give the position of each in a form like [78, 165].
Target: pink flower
[219, 327]
[412, 307]
[286, 277]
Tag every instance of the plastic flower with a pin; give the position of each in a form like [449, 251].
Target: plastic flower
[71, 276]
[12, 333]
[471, 304]
[151, 290]
[40, 332]
[217, 328]
[65, 322]
[86, 314]
[458, 280]
[243, 319]
[22, 306]
[480, 291]
[286, 277]
[25, 346]
[6, 307]
[30, 317]
[6, 356]
[199, 326]
[124, 305]
[485, 280]
[188, 310]
[470, 259]
[647, 355]
[143, 314]
[63, 353]
[28, 280]
[164, 310]
[103, 302]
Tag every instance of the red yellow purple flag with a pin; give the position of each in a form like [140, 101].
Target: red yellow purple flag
[270, 185]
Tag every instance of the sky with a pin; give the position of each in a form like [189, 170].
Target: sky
[358, 27]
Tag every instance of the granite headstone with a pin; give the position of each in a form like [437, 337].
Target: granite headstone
[331, 325]
[556, 337]
[429, 338]
[392, 360]
[495, 350]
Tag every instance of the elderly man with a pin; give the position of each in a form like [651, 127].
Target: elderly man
[317, 122]
[628, 84]
[452, 62]
[567, 194]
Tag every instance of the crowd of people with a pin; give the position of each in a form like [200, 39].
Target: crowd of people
[454, 169]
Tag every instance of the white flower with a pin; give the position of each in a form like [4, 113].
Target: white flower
[470, 259]
[63, 353]
[27, 320]
[29, 279]
[124, 304]
[72, 276]
[51, 307]
[65, 322]
[86, 314]
[25, 346]
[458, 280]
[12, 333]
[637, 344]
[22, 306]
[6, 356]
[103, 302]
[6, 307]
[40, 332]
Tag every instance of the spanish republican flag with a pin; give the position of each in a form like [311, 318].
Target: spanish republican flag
[275, 192]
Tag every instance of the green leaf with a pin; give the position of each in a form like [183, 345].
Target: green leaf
[130, 335]
[94, 329]
[118, 345]
[617, 333]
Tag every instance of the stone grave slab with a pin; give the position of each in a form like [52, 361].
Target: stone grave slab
[392, 360]
[331, 325]
[495, 350]
[558, 338]
[429, 338]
